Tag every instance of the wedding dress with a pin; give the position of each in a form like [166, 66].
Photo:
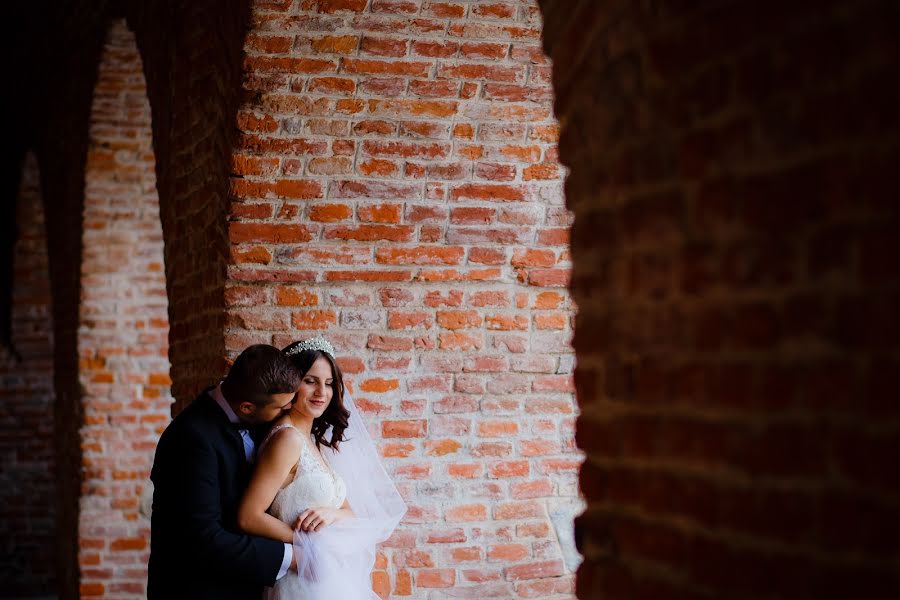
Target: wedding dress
[315, 485]
[336, 562]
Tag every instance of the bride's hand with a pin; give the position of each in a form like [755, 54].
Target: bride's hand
[314, 519]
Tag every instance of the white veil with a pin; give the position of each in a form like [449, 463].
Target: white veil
[337, 561]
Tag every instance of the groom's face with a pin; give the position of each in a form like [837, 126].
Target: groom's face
[277, 405]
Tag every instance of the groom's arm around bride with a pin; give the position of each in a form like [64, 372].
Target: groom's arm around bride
[201, 469]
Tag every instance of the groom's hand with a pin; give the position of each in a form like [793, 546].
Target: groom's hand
[314, 519]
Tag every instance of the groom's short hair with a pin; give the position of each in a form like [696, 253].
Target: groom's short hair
[258, 372]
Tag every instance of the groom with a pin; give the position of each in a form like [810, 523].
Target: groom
[201, 468]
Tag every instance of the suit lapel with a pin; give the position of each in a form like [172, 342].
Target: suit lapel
[229, 432]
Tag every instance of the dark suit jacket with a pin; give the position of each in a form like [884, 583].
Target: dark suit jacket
[196, 550]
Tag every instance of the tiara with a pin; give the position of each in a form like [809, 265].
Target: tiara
[317, 343]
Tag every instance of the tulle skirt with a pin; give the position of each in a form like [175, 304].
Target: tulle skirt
[335, 562]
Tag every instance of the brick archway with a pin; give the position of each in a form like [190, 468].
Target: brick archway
[123, 328]
[28, 487]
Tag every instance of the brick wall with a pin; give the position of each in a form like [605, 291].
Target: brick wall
[27, 456]
[123, 335]
[396, 187]
[734, 263]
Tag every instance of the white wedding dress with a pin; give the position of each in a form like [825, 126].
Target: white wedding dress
[315, 485]
[335, 563]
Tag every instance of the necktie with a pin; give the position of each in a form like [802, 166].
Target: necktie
[248, 443]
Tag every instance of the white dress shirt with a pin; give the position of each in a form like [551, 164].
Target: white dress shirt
[249, 449]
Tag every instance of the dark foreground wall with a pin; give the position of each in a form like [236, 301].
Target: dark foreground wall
[733, 177]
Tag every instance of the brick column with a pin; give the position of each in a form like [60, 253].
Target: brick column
[733, 175]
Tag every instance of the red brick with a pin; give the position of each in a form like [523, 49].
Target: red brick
[313, 319]
[441, 447]
[470, 215]
[376, 67]
[528, 257]
[266, 232]
[435, 299]
[370, 233]
[374, 127]
[476, 71]
[435, 48]
[383, 46]
[406, 149]
[463, 131]
[419, 214]
[332, 165]
[335, 6]
[487, 256]
[434, 89]
[465, 470]
[505, 322]
[451, 10]
[496, 10]
[397, 450]
[489, 298]
[435, 578]
[505, 92]
[460, 341]
[330, 213]
[335, 44]
[466, 513]
[92, 589]
[288, 64]
[380, 213]
[253, 165]
[541, 172]
[518, 510]
[548, 300]
[549, 277]
[402, 584]
[513, 468]
[536, 570]
[409, 320]
[404, 429]
[497, 428]
[553, 321]
[508, 553]
[124, 544]
[484, 50]
[377, 167]
[495, 171]
[256, 255]
[379, 385]
[387, 87]
[494, 192]
[271, 44]
[458, 319]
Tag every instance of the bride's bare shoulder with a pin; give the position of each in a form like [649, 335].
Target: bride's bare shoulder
[283, 440]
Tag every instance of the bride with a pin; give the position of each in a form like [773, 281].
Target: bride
[318, 484]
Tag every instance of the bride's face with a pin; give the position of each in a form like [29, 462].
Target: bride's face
[315, 390]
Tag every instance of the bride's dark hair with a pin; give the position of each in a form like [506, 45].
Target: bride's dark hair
[335, 416]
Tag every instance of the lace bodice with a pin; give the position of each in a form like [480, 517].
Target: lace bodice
[315, 485]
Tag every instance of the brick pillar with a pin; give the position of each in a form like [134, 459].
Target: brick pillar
[396, 187]
[733, 175]
[27, 454]
[192, 69]
[61, 145]
[124, 328]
